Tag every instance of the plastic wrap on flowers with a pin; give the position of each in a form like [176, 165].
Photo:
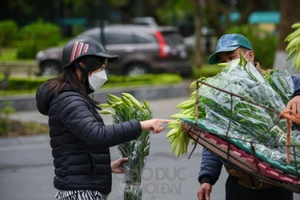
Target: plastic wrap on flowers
[281, 82]
[247, 124]
[132, 192]
[272, 89]
[136, 151]
[127, 108]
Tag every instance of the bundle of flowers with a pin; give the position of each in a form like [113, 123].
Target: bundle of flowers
[243, 106]
[127, 108]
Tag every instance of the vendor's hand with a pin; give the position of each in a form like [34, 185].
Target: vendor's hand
[204, 191]
[294, 104]
[154, 125]
[117, 166]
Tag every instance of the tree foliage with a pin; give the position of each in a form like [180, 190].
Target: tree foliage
[37, 36]
[165, 12]
[8, 32]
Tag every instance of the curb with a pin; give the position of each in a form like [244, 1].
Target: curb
[6, 143]
[28, 102]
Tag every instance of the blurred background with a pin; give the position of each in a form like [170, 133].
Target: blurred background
[29, 28]
[164, 42]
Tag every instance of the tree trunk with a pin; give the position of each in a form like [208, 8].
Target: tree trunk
[289, 14]
[197, 52]
[213, 10]
[249, 7]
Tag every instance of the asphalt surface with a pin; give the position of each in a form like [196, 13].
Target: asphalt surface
[26, 170]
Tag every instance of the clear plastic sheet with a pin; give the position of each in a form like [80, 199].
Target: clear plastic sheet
[128, 108]
[250, 123]
[136, 151]
[282, 84]
[132, 192]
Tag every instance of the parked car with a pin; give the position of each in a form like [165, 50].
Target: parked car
[208, 41]
[146, 21]
[143, 49]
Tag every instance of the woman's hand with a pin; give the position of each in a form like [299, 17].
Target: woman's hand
[294, 104]
[154, 125]
[117, 166]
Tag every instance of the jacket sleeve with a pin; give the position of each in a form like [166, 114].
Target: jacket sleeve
[79, 119]
[210, 169]
[296, 81]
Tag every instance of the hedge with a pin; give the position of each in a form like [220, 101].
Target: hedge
[19, 85]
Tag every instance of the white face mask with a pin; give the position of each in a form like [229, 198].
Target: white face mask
[246, 55]
[238, 59]
[97, 79]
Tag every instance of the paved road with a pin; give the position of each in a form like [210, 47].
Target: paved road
[26, 170]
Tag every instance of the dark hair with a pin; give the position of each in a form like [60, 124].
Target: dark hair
[80, 85]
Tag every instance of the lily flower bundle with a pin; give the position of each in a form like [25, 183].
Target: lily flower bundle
[243, 106]
[126, 108]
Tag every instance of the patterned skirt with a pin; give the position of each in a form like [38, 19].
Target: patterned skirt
[80, 195]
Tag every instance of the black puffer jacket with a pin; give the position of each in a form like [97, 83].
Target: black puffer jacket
[80, 142]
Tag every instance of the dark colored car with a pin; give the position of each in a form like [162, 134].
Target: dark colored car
[143, 49]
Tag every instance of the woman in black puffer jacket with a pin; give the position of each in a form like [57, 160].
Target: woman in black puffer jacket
[79, 139]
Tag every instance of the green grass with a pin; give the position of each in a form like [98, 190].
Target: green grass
[8, 54]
